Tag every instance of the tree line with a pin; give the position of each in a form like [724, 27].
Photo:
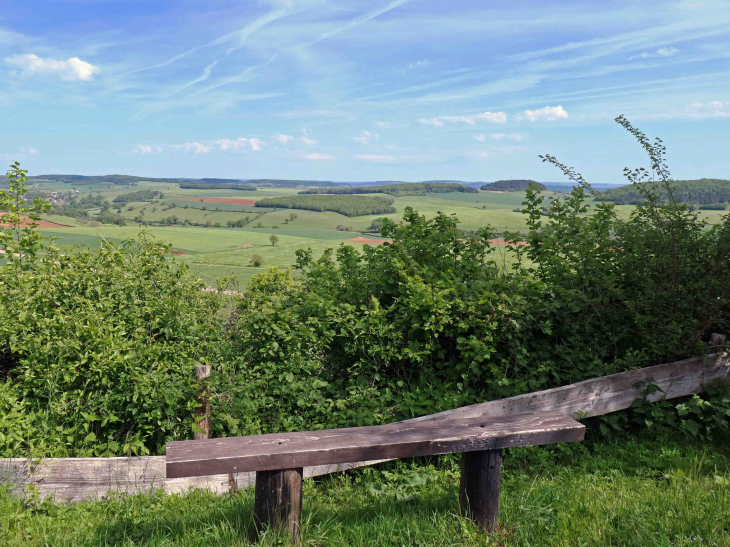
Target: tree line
[351, 206]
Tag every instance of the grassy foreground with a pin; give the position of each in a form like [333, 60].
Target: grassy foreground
[663, 491]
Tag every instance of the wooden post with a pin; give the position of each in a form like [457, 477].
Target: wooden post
[481, 472]
[717, 341]
[278, 500]
[202, 413]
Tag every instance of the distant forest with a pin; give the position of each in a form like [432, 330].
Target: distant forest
[707, 193]
[142, 195]
[397, 190]
[351, 206]
[515, 185]
[215, 186]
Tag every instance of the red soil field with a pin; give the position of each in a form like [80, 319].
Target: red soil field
[369, 240]
[41, 224]
[232, 201]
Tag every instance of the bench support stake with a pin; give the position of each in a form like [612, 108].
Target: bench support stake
[278, 500]
[479, 492]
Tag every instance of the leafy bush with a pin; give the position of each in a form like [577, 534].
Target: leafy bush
[99, 349]
[107, 217]
[350, 206]
[257, 260]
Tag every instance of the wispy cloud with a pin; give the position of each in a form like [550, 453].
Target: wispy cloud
[204, 76]
[366, 137]
[196, 148]
[418, 64]
[317, 156]
[479, 155]
[431, 121]
[283, 139]
[306, 140]
[241, 143]
[546, 114]
[29, 64]
[376, 158]
[472, 119]
[661, 52]
[146, 149]
[483, 138]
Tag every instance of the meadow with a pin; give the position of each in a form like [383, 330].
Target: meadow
[216, 250]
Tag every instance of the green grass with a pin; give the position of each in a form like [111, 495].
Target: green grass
[652, 492]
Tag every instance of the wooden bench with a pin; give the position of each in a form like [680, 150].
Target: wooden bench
[278, 459]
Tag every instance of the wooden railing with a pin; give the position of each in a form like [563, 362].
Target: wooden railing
[75, 479]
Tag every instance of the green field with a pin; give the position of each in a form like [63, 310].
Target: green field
[214, 251]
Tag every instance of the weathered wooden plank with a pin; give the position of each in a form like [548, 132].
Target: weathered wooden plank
[300, 449]
[202, 413]
[600, 396]
[481, 474]
[75, 479]
[603, 395]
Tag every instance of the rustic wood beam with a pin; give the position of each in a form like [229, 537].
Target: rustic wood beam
[278, 501]
[481, 473]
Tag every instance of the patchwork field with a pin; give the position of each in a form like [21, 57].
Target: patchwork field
[198, 223]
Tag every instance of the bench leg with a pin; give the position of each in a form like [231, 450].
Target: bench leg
[278, 500]
[479, 492]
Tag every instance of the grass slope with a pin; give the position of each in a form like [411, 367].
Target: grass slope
[654, 492]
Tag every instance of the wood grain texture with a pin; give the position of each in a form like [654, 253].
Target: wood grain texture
[278, 501]
[603, 395]
[600, 396]
[202, 413]
[292, 450]
[481, 474]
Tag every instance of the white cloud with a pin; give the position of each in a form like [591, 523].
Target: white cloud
[478, 155]
[366, 137]
[661, 52]
[308, 141]
[142, 149]
[498, 136]
[480, 138]
[376, 158]
[516, 137]
[196, 148]
[74, 69]
[29, 150]
[547, 114]
[422, 62]
[493, 117]
[283, 139]
[712, 109]
[318, 157]
[239, 144]
[384, 125]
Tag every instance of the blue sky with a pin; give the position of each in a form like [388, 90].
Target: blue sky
[363, 90]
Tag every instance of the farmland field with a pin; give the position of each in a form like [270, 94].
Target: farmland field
[199, 219]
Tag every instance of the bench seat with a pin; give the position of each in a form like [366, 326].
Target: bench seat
[331, 446]
[278, 459]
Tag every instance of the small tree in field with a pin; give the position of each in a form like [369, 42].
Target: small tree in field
[257, 260]
[274, 239]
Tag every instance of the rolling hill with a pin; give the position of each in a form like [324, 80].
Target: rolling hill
[699, 192]
[516, 185]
